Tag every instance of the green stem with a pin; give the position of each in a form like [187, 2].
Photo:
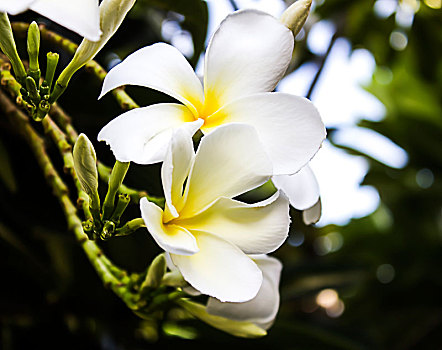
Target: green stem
[104, 173]
[62, 119]
[130, 227]
[122, 203]
[65, 150]
[107, 271]
[115, 180]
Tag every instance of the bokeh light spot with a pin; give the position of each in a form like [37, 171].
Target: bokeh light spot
[398, 40]
[327, 298]
[434, 4]
[296, 239]
[385, 273]
[424, 178]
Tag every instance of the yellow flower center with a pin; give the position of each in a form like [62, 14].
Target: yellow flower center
[208, 111]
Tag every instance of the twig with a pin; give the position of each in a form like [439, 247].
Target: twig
[65, 150]
[234, 5]
[321, 66]
[62, 119]
[106, 270]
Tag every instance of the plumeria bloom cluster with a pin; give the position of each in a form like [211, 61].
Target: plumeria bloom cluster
[245, 59]
[251, 134]
[216, 244]
[207, 233]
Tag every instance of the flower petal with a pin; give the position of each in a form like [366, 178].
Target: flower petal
[302, 188]
[289, 127]
[14, 7]
[176, 166]
[142, 135]
[249, 53]
[228, 162]
[312, 215]
[220, 269]
[236, 328]
[254, 228]
[171, 238]
[161, 67]
[263, 308]
[80, 16]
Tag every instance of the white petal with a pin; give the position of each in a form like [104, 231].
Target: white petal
[254, 228]
[142, 135]
[236, 328]
[161, 67]
[80, 16]
[175, 279]
[263, 308]
[176, 166]
[220, 269]
[171, 238]
[229, 161]
[289, 127]
[312, 215]
[302, 188]
[248, 53]
[14, 7]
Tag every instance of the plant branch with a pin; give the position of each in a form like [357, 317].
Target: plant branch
[321, 66]
[65, 150]
[234, 5]
[104, 268]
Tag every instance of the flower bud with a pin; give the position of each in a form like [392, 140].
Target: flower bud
[33, 46]
[85, 164]
[7, 45]
[155, 273]
[296, 15]
[112, 13]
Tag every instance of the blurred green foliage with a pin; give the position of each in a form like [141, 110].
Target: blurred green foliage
[386, 267]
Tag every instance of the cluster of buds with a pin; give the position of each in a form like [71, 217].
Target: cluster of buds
[39, 96]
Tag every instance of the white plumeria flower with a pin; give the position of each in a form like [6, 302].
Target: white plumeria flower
[80, 16]
[205, 231]
[246, 58]
[262, 309]
[248, 319]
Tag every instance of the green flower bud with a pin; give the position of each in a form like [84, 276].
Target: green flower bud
[296, 15]
[33, 46]
[85, 165]
[174, 279]
[51, 66]
[7, 45]
[155, 273]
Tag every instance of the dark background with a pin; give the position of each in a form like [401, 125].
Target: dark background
[52, 298]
